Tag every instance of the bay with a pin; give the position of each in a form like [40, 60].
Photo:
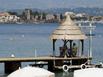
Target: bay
[23, 39]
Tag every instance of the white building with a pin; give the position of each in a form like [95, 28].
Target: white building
[7, 18]
[28, 14]
[49, 17]
[81, 15]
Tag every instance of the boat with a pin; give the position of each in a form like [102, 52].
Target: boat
[19, 22]
[89, 72]
[29, 71]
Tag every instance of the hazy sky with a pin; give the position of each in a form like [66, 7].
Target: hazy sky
[43, 4]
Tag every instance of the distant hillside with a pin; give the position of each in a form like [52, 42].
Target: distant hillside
[90, 11]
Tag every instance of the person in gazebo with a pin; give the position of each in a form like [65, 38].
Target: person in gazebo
[69, 53]
[63, 51]
[74, 50]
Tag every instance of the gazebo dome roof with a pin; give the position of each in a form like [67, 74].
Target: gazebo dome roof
[68, 30]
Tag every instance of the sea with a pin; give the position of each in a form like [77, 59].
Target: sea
[29, 40]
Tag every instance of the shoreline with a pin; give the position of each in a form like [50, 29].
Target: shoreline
[95, 22]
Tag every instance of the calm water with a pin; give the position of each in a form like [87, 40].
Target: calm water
[23, 39]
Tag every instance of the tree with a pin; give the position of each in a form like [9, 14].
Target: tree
[13, 13]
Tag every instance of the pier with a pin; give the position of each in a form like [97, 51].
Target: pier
[13, 63]
[71, 53]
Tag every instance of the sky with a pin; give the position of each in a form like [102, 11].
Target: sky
[45, 4]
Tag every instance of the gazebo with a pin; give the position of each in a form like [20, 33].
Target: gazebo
[67, 32]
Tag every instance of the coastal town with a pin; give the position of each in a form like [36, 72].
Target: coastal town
[29, 16]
